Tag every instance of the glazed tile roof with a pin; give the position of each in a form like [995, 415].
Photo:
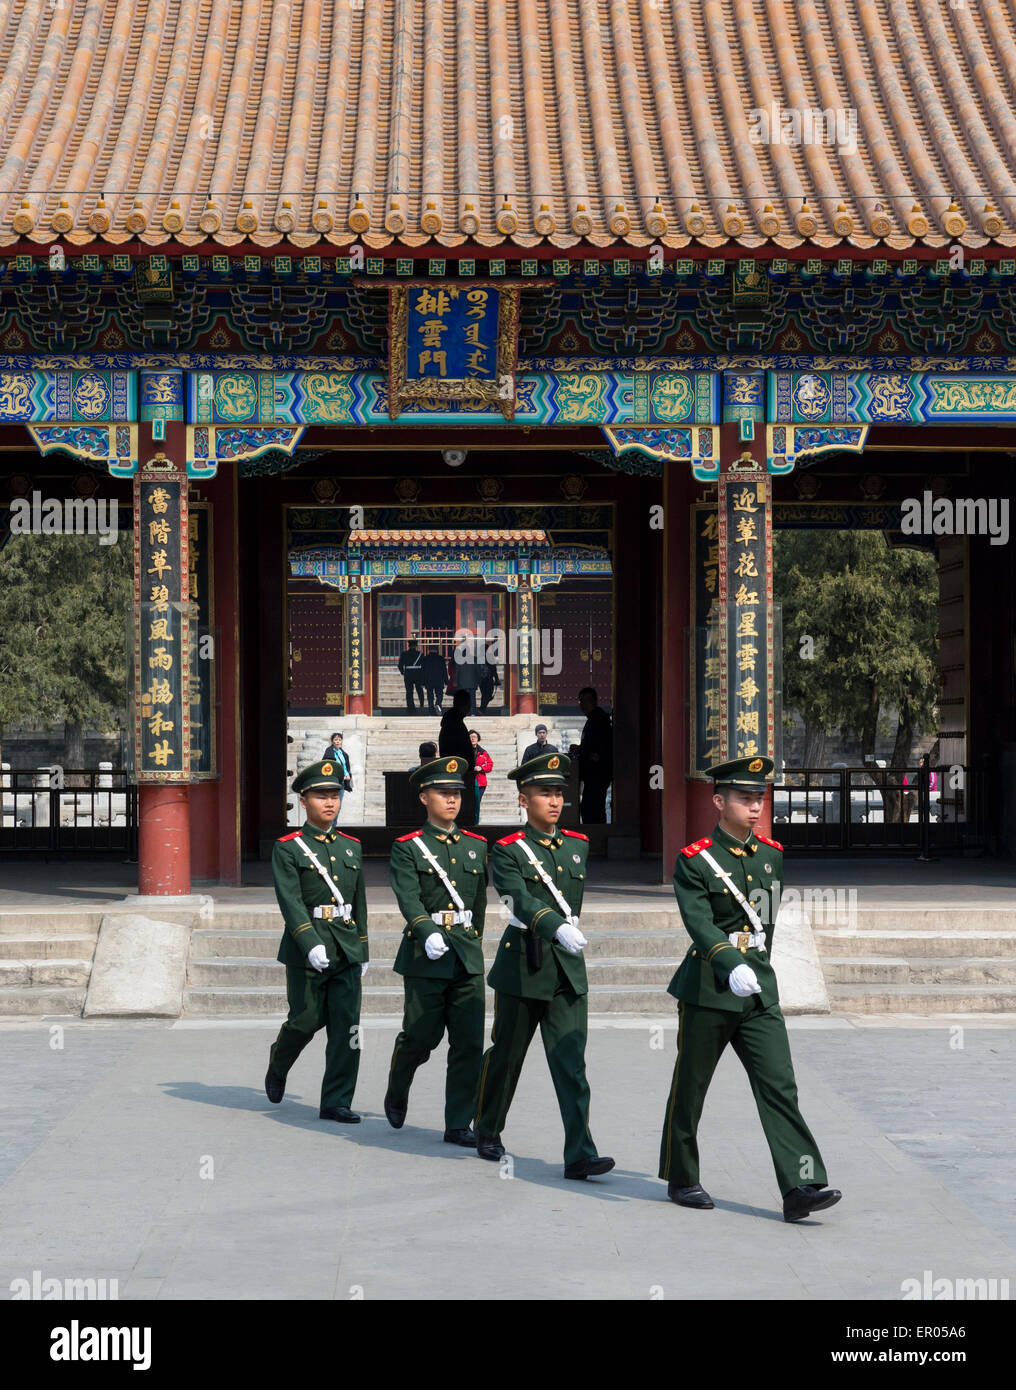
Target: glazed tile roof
[554, 122]
[457, 537]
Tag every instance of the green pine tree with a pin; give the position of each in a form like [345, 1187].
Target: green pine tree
[64, 608]
[860, 635]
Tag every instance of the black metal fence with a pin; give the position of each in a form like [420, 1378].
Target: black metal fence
[69, 810]
[882, 810]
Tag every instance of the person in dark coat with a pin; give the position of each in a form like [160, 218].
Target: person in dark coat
[489, 681]
[596, 758]
[454, 740]
[434, 674]
[411, 672]
[540, 746]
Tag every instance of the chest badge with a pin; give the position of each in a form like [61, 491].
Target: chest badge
[472, 854]
[576, 858]
[350, 853]
[768, 868]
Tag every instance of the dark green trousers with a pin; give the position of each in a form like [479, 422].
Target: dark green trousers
[759, 1037]
[323, 999]
[562, 1023]
[432, 1007]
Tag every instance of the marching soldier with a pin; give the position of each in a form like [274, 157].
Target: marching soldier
[539, 975]
[319, 884]
[727, 888]
[439, 874]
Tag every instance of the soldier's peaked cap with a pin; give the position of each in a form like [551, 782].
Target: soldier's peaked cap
[545, 770]
[747, 773]
[325, 776]
[439, 772]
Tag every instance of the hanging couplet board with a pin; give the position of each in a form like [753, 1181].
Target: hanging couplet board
[527, 636]
[162, 739]
[452, 347]
[706, 723]
[746, 633]
[355, 646]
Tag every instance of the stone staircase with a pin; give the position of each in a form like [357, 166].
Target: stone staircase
[46, 960]
[921, 961]
[391, 692]
[379, 744]
[630, 959]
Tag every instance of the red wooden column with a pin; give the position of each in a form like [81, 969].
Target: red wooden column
[161, 632]
[216, 804]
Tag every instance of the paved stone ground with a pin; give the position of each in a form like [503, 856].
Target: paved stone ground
[102, 1144]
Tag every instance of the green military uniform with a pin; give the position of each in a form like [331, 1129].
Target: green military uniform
[329, 998]
[710, 1015]
[446, 993]
[551, 993]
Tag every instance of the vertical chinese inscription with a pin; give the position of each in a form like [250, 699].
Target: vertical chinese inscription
[746, 667]
[161, 625]
[355, 679]
[527, 635]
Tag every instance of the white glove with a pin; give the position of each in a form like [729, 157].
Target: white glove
[363, 968]
[435, 946]
[570, 937]
[318, 957]
[742, 981]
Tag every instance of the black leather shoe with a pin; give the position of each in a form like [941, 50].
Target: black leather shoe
[395, 1109]
[464, 1137]
[489, 1146]
[275, 1086]
[588, 1167]
[802, 1201]
[342, 1113]
[695, 1196]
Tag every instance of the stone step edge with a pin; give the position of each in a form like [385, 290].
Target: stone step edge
[855, 990]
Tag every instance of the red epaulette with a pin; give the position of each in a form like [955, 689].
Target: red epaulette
[411, 836]
[766, 841]
[295, 836]
[510, 839]
[692, 850]
[347, 837]
[473, 835]
[575, 834]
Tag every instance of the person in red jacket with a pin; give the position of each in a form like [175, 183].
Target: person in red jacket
[483, 764]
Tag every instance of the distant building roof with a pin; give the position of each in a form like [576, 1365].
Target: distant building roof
[543, 122]
[463, 537]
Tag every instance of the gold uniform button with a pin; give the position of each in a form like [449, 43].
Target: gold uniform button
[507, 945]
[453, 858]
[559, 868]
[749, 878]
[694, 953]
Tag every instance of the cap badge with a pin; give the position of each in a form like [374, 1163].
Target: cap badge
[553, 764]
[454, 767]
[755, 765]
[326, 769]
